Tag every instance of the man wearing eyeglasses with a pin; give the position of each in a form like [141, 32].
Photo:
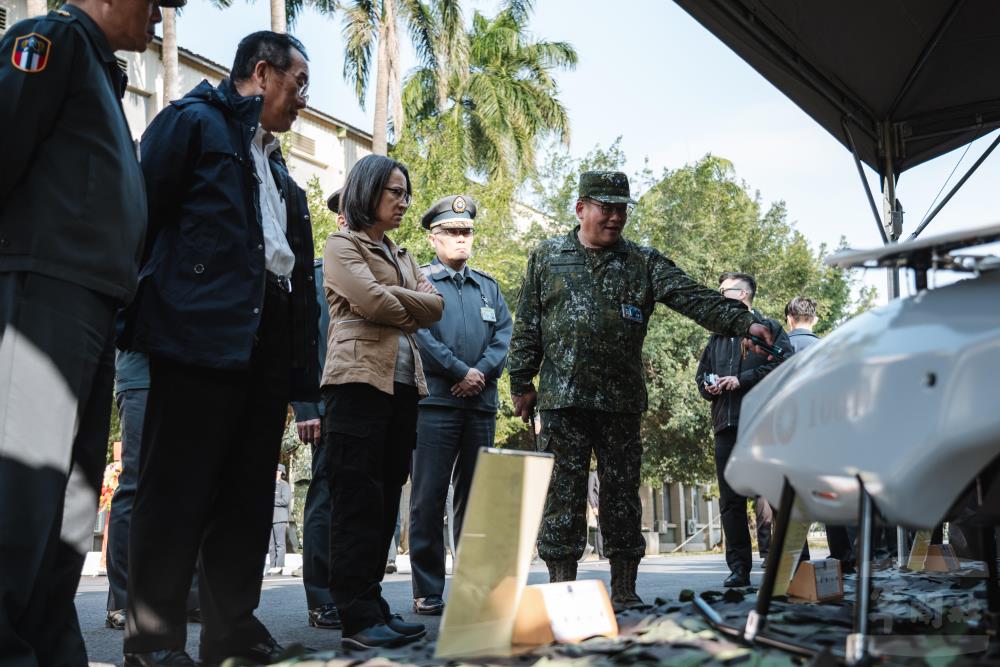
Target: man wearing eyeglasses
[227, 313]
[582, 317]
[463, 356]
[725, 374]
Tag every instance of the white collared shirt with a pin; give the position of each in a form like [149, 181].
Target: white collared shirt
[278, 256]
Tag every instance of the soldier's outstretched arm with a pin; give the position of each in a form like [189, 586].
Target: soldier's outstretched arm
[36, 80]
[525, 356]
[678, 291]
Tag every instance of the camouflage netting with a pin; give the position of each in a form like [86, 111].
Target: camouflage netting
[929, 616]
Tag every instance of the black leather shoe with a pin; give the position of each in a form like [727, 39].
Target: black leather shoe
[262, 653]
[324, 616]
[165, 658]
[737, 579]
[379, 635]
[115, 619]
[432, 605]
[405, 628]
[390, 568]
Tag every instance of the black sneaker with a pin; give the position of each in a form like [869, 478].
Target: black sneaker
[325, 616]
[379, 635]
[165, 658]
[115, 619]
[737, 579]
[432, 605]
[405, 628]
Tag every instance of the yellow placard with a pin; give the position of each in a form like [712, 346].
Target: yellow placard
[918, 554]
[494, 554]
[795, 539]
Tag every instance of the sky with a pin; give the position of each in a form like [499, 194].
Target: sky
[651, 74]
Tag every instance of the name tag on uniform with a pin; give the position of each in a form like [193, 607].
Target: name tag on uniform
[488, 314]
[631, 313]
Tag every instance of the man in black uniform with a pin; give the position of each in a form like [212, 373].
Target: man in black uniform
[72, 219]
[227, 313]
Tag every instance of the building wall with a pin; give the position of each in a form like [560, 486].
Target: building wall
[322, 146]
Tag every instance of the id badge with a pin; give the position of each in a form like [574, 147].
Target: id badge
[488, 314]
[631, 313]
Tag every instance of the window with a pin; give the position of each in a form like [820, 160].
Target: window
[304, 144]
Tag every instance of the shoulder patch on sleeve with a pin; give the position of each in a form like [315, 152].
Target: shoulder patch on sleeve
[31, 53]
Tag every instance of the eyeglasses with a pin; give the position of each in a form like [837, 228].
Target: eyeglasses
[731, 289]
[609, 209]
[463, 231]
[301, 85]
[400, 194]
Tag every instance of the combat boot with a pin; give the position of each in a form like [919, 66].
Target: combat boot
[623, 595]
[561, 570]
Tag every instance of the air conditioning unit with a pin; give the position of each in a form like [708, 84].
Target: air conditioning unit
[692, 527]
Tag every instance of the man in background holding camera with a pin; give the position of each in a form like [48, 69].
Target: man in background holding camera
[724, 376]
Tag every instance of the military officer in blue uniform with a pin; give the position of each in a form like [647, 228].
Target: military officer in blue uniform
[72, 220]
[464, 354]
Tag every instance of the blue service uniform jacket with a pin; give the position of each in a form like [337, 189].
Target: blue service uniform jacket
[462, 339]
[201, 286]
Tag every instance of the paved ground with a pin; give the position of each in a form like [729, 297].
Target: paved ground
[282, 606]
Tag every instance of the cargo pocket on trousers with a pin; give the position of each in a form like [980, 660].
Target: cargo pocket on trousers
[348, 443]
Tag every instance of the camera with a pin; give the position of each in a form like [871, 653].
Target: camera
[711, 379]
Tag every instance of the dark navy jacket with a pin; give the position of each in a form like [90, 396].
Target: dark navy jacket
[802, 338]
[201, 286]
[461, 339]
[723, 356]
[72, 205]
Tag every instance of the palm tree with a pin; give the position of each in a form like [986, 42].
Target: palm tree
[37, 7]
[168, 53]
[279, 22]
[504, 99]
[373, 24]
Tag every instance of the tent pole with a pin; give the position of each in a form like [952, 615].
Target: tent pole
[893, 230]
[864, 181]
[955, 189]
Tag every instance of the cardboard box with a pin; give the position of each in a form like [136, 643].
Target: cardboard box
[569, 611]
[818, 581]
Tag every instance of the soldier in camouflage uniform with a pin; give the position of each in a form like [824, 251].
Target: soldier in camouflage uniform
[582, 316]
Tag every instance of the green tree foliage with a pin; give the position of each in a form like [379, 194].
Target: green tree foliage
[494, 86]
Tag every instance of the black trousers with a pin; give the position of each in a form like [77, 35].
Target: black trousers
[733, 507]
[56, 380]
[131, 414]
[448, 442]
[370, 437]
[210, 446]
[316, 532]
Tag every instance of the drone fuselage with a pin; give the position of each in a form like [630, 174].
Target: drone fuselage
[905, 397]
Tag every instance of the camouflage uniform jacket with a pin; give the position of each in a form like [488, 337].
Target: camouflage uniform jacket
[583, 314]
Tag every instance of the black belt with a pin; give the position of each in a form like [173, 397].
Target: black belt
[281, 282]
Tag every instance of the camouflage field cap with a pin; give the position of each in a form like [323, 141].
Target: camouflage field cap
[452, 212]
[610, 187]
